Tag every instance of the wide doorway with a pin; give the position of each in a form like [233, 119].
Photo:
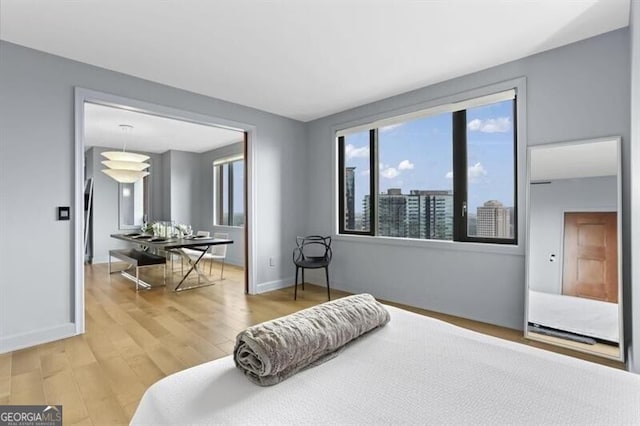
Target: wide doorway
[194, 184]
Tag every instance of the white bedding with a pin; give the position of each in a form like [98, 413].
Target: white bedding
[593, 318]
[414, 370]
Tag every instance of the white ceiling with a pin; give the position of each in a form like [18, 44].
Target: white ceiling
[151, 133]
[574, 160]
[303, 59]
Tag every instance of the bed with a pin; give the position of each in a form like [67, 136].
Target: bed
[413, 370]
[586, 317]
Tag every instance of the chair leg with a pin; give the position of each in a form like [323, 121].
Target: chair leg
[303, 278]
[326, 270]
[295, 286]
[221, 269]
[210, 266]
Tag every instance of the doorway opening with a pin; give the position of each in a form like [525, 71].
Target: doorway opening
[185, 153]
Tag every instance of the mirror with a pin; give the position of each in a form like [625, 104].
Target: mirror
[133, 205]
[574, 292]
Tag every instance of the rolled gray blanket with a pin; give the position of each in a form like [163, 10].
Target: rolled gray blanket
[270, 352]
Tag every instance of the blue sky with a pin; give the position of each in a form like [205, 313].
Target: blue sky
[418, 155]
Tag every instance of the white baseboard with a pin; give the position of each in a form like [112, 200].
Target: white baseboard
[274, 285]
[234, 262]
[36, 337]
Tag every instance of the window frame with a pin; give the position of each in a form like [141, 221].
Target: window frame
[222, 184]
[460, 178]
[373, 160]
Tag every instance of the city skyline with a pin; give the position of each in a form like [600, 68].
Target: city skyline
[426, 214]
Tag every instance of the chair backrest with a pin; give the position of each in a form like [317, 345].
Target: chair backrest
[220, 249]
[203, 233]
[313, 247]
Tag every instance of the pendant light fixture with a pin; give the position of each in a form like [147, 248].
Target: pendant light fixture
[122, 166]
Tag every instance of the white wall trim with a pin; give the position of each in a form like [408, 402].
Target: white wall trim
[83, 95]
[274, 285]
[36, 337]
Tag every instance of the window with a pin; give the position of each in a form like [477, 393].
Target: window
[448, 173]
[228, 184]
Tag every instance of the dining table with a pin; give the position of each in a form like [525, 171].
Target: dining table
[177, 245]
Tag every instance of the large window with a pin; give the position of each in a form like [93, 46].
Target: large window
[228, 184]
[448, 173]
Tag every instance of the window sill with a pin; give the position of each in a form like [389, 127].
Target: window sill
[510, 250]
[228, 227]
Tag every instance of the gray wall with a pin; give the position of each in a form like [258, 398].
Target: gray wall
[37, 116]
[547, 205]
[105, 202]
[184, 186]
[632, 331]
[580, 91]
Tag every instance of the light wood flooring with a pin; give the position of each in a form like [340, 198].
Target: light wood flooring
[134, 339]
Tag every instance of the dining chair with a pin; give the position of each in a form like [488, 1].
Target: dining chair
[218, 252]
[195, 252]
[312, 252]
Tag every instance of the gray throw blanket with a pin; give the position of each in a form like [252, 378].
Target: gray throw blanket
[270, 352]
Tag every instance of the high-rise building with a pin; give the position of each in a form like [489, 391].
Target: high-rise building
[430, 214]
[392, 212]
[420, 214]
[493, 220]
[349, 208]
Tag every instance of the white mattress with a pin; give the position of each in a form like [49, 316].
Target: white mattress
[593, 318]
[413, 370]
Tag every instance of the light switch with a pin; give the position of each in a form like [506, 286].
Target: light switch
[64, 213]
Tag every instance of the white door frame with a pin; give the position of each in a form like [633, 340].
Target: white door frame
[83, 95]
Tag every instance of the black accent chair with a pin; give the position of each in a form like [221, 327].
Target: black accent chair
[312, 252]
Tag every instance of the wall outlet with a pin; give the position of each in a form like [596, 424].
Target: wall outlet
[272, 262]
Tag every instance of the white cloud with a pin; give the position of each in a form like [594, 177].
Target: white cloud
[475, 173]
[389, 172]
[491, 125]
[351, 151]
[406, 165]
[391, 127]
[365, 172]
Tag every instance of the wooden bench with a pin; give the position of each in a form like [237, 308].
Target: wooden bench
[138, 259]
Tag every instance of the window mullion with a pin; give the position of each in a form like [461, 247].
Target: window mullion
[341, 186]
[220, 206]
[460, 205]
[230, 193]
[373, 181]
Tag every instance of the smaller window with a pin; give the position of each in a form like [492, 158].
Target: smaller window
[228, 191]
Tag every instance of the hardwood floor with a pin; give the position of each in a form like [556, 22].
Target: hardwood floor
[134, 339]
